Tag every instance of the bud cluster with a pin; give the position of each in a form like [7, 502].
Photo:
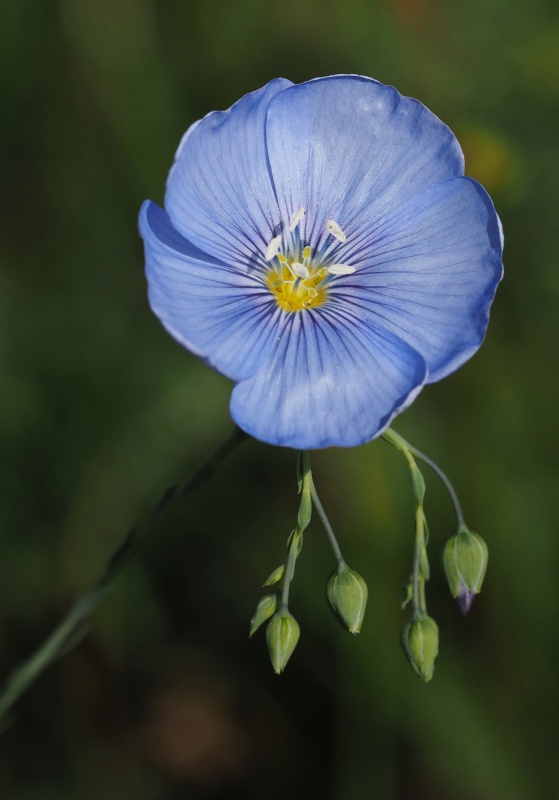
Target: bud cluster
[464, 557]
[346, 591]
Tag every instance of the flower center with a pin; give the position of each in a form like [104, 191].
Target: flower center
[297, 280]
[294, 291]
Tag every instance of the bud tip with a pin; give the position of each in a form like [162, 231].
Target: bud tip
[465, 600]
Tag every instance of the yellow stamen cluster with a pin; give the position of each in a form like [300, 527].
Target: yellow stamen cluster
[296, 282]
[297, 286]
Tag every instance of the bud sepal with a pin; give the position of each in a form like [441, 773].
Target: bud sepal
[275, 576]
[266, 608]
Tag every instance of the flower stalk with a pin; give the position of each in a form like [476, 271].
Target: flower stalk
[409, 451]
[282, 631]
[71, 630]
[346, 590]
[307, 477]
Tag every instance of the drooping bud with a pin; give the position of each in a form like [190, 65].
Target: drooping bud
[420, 643]
[282, 635]
[465, 562]
[347, 595]
[265, 609]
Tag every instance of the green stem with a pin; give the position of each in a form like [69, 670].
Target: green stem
[289, 572]
[75, 624]
[307, 475]
[418, 578]
[406, 448]
[420, 572]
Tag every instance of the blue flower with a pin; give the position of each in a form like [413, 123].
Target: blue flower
[322, 248]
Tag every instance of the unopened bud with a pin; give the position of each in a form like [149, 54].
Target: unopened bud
[420, 643]
[347, 594]
[282, 635]
[465, 562]
[265, 609]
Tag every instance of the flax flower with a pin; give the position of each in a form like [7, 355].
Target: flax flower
[321, 247]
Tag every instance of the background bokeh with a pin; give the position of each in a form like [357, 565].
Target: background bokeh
[100, 410]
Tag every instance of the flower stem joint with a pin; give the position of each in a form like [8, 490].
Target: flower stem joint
[465, 559]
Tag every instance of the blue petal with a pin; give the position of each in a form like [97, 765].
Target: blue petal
[219, 193]
[429, 271]
[223, 315]
[347, 148]
[332, 380]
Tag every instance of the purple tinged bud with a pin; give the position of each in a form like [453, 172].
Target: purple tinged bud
[465, 562]
[465, 600]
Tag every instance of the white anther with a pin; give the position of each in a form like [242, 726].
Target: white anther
[273, 248]
[299, 269]
[333, 228]
[296, 219]
[341, 269]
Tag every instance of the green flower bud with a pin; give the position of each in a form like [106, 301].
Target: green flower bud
[347, 594]
[420, 643]
[265, 609]
[465, 562]
[282, 635]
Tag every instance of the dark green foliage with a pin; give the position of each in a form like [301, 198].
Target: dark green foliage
[100, 410]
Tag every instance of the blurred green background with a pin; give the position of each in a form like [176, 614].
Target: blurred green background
[100, 410]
